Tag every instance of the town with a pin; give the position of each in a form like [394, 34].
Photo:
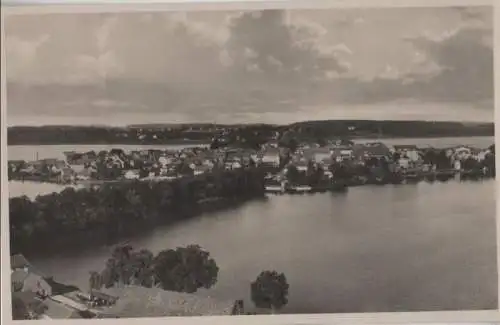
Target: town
[294, 167]
[288, 167]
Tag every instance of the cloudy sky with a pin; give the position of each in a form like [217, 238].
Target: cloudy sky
[260, 66]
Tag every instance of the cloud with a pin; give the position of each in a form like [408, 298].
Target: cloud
[208, 64]
[272, 40]
[465, 63]
[23, 53]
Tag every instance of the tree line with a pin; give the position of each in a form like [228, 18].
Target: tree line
[183, 269]
[251, 134]
[113, 210]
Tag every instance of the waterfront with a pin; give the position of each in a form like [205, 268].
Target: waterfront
[374, 249]
[28, 152]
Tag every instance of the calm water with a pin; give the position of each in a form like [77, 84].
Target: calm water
[373, 249]
[388, 248]
[56, 151]
[32, 189]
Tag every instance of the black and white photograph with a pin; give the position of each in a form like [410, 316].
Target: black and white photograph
[270, 161]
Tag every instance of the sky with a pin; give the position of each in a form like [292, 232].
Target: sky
[272, 66]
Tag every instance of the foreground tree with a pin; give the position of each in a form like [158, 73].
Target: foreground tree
[185, 269]
[270, 290]
[95, 281]
[127, 266]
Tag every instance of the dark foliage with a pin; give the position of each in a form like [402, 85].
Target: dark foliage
[116, 209]
[251, 135]
[270, 290]
[184, 269]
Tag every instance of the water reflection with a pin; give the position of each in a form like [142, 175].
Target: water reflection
[416, 247]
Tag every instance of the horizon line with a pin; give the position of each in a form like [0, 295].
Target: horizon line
[247, 123]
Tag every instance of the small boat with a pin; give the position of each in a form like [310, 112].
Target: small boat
[273, 185]
[300, 189]
[274, 189]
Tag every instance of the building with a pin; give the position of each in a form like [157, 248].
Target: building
[410, 152]
[341, 143]
[25, 279]
[137, 301]
[319, 154]
[16, 165]
[19, 262]
[462, 153]
[371, 150]
[271, 157]
[28, 281]
[341, 153]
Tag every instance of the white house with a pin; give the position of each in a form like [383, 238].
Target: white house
[462, 153]
[321, 154]
[132, 174]
[404, 163]
[271, 157]
[409, 151]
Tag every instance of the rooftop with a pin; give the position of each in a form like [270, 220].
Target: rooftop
[18, 261]
[56, 310]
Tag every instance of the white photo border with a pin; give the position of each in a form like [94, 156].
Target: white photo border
[13, 7]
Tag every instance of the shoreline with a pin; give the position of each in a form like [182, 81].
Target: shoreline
[208, 142]
[153, 204]
[84, 241]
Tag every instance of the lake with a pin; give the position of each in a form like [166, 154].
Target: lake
[374, 249]
[29, 152]
[420, 247]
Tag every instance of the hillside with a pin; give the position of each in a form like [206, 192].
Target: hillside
[185, 133]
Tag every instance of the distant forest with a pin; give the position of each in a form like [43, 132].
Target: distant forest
[205, 133]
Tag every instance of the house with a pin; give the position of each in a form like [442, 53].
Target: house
[449, 152]
[19, 262]
[462, 153]
[198, 170]
[79, 159]
[137, 301]
[482, 154]
[371, 150]
[57, 165]
[23, 281]
[302, 166]
[16, 165]
[341, 143]
[408, 151]
[131, 174]
[317, 154]
[85, 173]
[404, 163]
[164, 161]
[340, 153]
[271, 157]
